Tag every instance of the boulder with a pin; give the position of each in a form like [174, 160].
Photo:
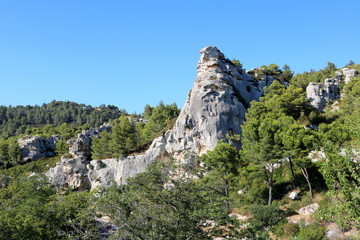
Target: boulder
[294, 195]
[334, 232]
[309, 209]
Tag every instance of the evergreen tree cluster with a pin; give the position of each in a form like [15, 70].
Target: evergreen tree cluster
[15, 120]
[129, 134]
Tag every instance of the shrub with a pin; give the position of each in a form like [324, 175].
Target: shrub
[312, 232]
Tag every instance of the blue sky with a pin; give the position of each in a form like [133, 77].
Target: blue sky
[133, 53]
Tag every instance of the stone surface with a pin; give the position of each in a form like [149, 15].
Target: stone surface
[321, 93]
[215, 108]
[35, 147]
[81, 145]
[334, 232]
[309, 209]
[216, 104]
[70, 173]
[294, 195]
[103, 173]
[349, 74]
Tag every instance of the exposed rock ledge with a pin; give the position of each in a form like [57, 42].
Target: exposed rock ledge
[215, 107]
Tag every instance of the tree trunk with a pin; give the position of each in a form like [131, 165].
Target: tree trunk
[292, 173]
[227, 196]
[270, 185]
[306, 175]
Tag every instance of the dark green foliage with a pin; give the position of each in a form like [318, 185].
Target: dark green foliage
[15, 120]
[61, 147]
[154, 206]
[10, 153]
[123, 139]
[264, 217]
[222, 165]
[303, 80]
[129, 135]
[158, 122]
[30, 209]
[238, 64]
[100, 146]
[274, 71]
[312, 232]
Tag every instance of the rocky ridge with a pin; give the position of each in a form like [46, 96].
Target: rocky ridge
[215, 108]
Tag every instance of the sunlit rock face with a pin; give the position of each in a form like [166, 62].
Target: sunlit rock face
[215, 109]
[320, 94]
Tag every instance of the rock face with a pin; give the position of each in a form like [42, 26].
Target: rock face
[321, 93]
[103, 173]
[215, 108]
[81, 145]
[216, 105]
[35, 147]
[348, 74]
[70, 173]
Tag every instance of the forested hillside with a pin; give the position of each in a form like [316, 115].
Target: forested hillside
[20, 119]
[288, 147]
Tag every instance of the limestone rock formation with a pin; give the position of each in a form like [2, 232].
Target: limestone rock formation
[70, 173]
[321, 93]
[215, 108]
[35, 147]
[347, 74]
[216, 105]
[81, 145]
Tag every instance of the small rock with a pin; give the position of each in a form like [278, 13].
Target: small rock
[333, 232]
[294, 194]
[309, 209]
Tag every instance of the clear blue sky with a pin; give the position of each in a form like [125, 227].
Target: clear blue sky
[132, 53]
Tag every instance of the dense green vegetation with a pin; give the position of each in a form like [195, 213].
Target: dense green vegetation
[128, 136]
[199, 199]
[18, 120]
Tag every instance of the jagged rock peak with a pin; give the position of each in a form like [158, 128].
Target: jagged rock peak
[215, 109]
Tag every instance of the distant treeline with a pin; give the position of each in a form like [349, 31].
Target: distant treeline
[15, 120]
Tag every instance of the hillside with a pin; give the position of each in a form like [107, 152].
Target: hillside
[253, 154]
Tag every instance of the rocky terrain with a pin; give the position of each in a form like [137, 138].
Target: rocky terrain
[215, 107]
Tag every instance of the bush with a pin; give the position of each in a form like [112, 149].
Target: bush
[265, 216]
[312, 232]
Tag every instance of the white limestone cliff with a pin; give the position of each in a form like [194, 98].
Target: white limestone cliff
[215, 107]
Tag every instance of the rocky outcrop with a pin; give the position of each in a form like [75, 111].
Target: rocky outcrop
[320, 94]
[103, 173]
[70, 173]
[35, 147]
[216, 104]
[215, 108]
[81, 145]
[347, 74]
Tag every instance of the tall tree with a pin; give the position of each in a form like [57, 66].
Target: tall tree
[222, 165]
